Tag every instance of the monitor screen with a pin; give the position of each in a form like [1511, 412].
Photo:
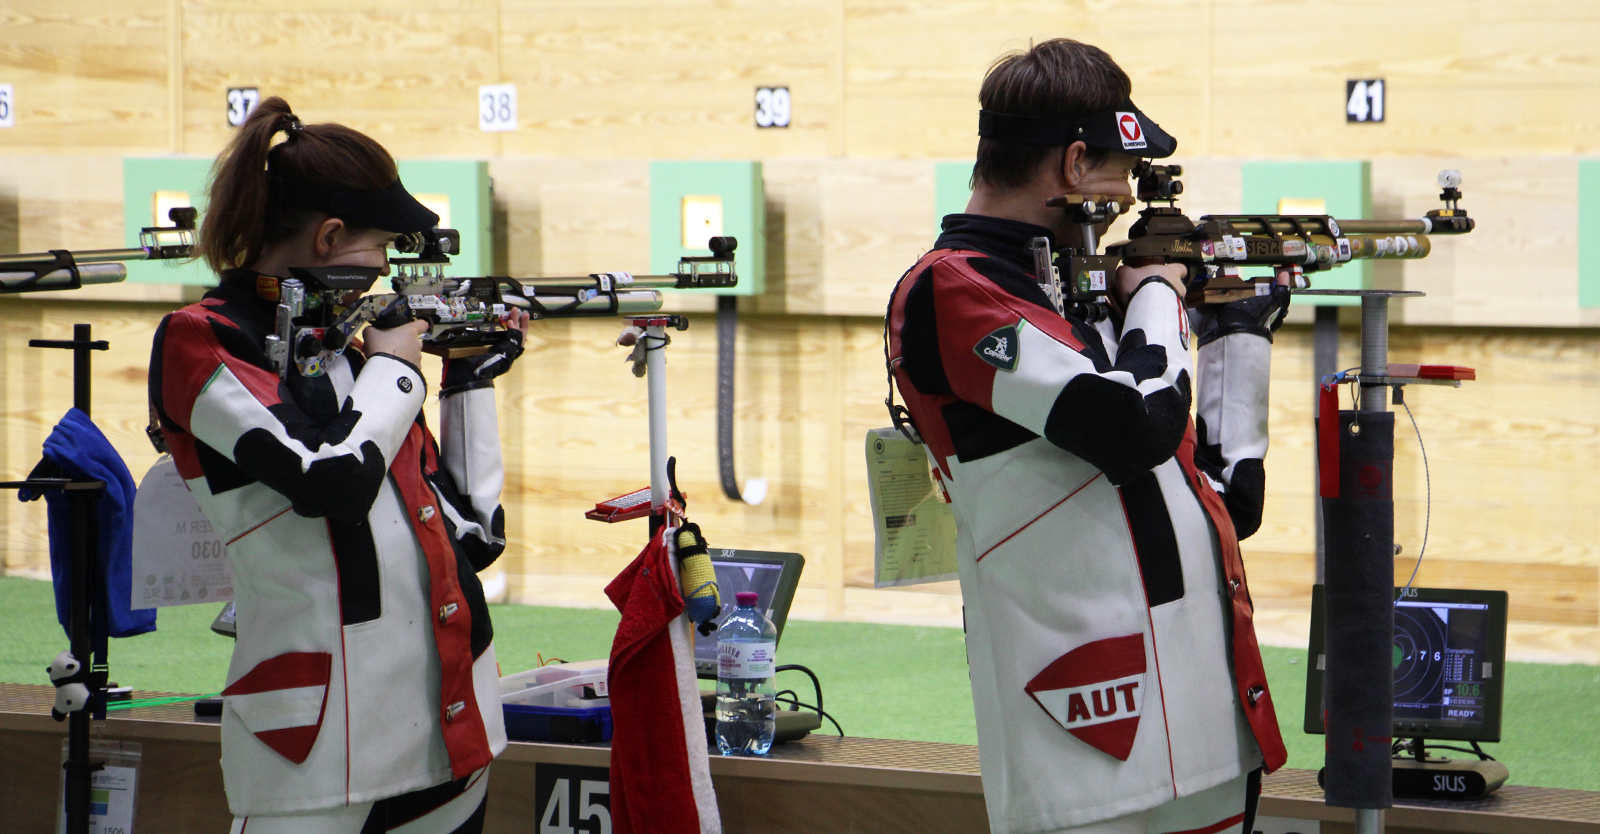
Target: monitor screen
[1448, 655]
[772, 576]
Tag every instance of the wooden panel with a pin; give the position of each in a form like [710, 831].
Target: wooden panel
[668, 80]
[89, 74]
[1474, 77]
[55, 201]
[912, 70]
[1520, 265]
[406, 76]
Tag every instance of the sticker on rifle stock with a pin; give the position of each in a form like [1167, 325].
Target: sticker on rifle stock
[1236, 243]
[1333, 227]
[1131, 134]
[1206, 251]
[1294, 249]
[1344, 249]
[1097, 280]
[1000, 347]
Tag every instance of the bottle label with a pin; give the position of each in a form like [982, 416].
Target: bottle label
[746, 660]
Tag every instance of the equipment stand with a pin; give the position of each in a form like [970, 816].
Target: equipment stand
[86, 594]
[666, 502]
[655, 376]
[1356, 462]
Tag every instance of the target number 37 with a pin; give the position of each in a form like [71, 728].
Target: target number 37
[241, 100]
[1363, 100]
[773, 106]
[7, 109]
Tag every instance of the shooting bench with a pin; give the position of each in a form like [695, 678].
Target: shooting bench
[820, 784]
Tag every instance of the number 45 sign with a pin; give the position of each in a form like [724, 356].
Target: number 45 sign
[572, 800]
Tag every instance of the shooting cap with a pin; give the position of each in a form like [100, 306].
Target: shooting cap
[1122, 128]
[392, 209]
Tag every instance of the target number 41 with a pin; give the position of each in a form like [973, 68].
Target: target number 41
[1363, 100]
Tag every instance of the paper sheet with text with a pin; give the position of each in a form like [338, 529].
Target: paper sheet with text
[916, 532]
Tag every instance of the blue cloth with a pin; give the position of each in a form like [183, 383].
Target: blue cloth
[81, 452]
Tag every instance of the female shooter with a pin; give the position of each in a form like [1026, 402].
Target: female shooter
[362, 694]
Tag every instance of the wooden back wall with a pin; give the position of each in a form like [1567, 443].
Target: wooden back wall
[882, 89]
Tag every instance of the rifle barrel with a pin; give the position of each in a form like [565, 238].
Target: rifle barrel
[92, 273]
[1250, 223]
[85, 256]
[639, 282]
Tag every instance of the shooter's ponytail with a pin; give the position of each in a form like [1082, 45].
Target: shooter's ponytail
[243, 213]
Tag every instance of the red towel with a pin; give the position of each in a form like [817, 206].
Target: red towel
[660, 770]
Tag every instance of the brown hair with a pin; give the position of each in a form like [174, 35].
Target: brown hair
[242, 217]
[1058, 77]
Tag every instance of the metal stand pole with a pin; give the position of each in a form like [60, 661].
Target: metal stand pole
[1375, 398]
[656, 381]
[80, 771]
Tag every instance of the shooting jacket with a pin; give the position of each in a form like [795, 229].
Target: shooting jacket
[364, 666]
[1113, 662]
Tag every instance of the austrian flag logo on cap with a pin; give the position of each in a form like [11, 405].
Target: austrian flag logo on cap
[1129, 131]
[1096, 692]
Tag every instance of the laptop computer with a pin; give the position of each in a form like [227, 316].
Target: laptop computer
[773, 576]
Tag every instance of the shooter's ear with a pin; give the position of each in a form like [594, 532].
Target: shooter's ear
[1075, 165]
[328, 235]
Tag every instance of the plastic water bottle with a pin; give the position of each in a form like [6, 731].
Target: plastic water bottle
[747, 646]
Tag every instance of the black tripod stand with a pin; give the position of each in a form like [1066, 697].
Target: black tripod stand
[87, 593]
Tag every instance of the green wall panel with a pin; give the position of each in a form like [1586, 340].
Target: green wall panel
[744, 216]
[1344, 185]
[1589, 233]
[465, 182]
[142, 177]
[951, 189]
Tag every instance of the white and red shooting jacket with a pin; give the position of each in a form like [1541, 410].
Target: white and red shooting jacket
[1114, 666]
[364, 666]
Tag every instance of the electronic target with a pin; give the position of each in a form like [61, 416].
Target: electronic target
[1448, 662]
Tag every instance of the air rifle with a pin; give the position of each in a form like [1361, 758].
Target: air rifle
[1215, 247]
[60, 269]
[464, 314]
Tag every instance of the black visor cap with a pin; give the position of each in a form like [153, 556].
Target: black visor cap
[1122, 128]
[392, 209]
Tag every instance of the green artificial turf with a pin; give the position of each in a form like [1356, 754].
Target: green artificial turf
[880, 681]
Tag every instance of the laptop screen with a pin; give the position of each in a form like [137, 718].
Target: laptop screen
[772, 576]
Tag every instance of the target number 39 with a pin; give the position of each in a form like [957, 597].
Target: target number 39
[572, 800]
[8, 114]
[1363, 100]
[241, 100]
[773, 106]
[497, 107]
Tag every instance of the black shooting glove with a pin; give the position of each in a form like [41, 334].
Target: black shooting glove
[1261, 315]
[479, 371]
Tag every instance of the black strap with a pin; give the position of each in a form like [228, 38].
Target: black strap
[898, 415]
[727, 331]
